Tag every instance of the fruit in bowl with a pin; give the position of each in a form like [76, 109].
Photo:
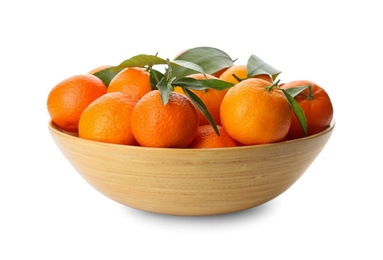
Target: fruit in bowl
[152, 151]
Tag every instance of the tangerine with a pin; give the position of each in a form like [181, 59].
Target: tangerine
[240, 71]
[212, 99]
[99, 68]
[207, 138]
[219, 73]
[316, 105]
[255, 112]
[108, 119]
[133, 81]
[68, 99]
[172, 125]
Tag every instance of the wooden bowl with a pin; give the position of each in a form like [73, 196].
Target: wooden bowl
[191, 181]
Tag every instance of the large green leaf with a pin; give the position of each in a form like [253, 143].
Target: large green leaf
[256, 66]
[208, 58]
[181, 68]
[141, 60]
[299, 113]
[202, 84]
[188, 65]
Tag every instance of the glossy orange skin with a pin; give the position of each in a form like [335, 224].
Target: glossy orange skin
[134, 82]
[251, 114]
[207, 138]
[317, 107]
[241, 72]
[172, 125]
[68, 99]
[99, 68]
[108, 119]
[212, 99]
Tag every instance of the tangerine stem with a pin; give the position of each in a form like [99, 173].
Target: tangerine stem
[275, 83]
[310, 95]
[237, 78]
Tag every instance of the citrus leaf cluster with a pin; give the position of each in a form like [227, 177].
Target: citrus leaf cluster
[205, 60]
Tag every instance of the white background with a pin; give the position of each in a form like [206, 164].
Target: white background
[333, 212]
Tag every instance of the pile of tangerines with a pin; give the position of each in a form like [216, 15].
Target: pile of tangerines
[200, 99]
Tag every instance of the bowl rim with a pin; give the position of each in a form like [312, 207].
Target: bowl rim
[55, 129]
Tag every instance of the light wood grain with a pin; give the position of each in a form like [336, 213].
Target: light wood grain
[191, 181]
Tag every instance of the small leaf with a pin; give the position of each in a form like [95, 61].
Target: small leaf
[140, 60]
[201, 106]
[299, 113]
[295, 90]
[106, 75]
[155, 78]
[256, 66]
[208, 58]
[164, 91]
[203, 84]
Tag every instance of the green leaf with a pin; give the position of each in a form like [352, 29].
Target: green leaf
[201, 106]
[155, 78]
[106, 75]
[164, 91]
[256, 66]
[140, 60]
[181, 68]
[203, 84]
[295, 90]
[208, 58]
[299, 113]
